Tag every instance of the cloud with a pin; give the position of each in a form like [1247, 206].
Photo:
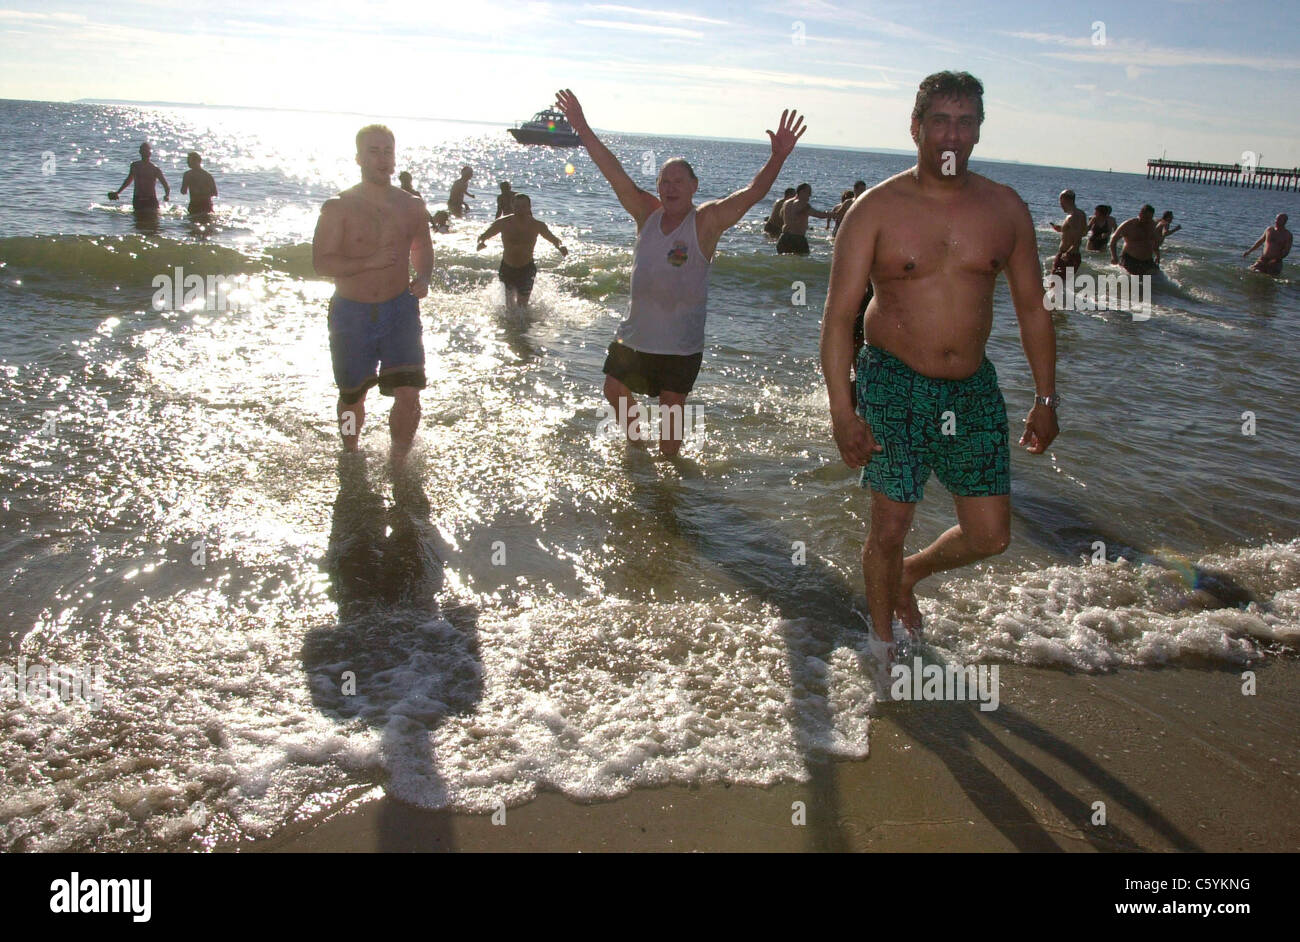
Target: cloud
[1146, 56]
[657, 14]
[643, 28]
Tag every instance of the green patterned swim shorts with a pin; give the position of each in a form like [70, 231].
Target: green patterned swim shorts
[954, 427]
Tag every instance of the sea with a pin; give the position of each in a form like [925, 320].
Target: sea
[215, 629]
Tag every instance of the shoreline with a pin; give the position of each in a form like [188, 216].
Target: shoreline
[1181, 758]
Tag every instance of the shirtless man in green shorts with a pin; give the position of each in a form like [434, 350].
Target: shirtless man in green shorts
[933, 244]
[519, 232]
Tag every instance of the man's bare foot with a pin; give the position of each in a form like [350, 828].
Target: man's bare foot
[907, 611]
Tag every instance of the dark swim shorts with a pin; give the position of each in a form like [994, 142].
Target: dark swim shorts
[376, 343]
[792, 243]
[652, 373]
[520, 278]
[1138, 266]
[1065, 261]
[955, 427]
[145, 205]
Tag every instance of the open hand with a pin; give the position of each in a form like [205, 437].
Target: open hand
[568, 103]
[791, 129]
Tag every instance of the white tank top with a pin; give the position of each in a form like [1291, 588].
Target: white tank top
[670, 290]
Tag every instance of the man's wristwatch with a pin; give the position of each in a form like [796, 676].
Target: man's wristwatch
[1051, 401]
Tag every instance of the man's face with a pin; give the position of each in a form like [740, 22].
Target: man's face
[1067, 204]
[948, 125]
[1146, 215]
[803, 193]
[522, 207]
[377, 157]
[676, 188]
[858, 190]
[1280, 221]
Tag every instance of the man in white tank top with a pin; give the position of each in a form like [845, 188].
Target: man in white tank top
[659, 347]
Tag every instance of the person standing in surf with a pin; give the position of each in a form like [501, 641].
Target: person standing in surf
[933, 244]
[1277, 246]
[659, 347]
[146, 175]
[364, 240]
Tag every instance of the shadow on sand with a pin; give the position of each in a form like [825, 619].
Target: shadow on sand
[394, 659]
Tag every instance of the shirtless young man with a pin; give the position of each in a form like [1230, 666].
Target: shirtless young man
[1277, 246]
[460, 193]
[519, 232]
[200, 186]
[773, 225]
[658, 349]
[933, 244]
[1164, 229]
[1071, 230]
[794, 219]
[364, 239]
[146, 175]
[1140, 243]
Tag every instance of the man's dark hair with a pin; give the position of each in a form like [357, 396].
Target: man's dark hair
[1069, 194]
[1167, 214]
[801, 187]
[859, 183]
[373, 129]
[1148, 208]
[680, 160]
[523, 196]
[789, 192]
[947, 85]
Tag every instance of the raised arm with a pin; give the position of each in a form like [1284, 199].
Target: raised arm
[717, 216]
[638, 203]
[327, 256]
[1037, 333]
[850, 271]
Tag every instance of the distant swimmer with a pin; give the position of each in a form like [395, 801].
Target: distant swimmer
[145, 175]
[1071, 230]
[1100, 226]
[1164, 229]
[859, 187]
[460, 193]
[838, 211]
[1277, 245]
[794, 222]
[367, 239]
[198, 183]
[933, 243]
[441, 221]
[773, 225]
[1140, 243]
[519, 231]
[658, 348]
[505, 200]
[408, 186]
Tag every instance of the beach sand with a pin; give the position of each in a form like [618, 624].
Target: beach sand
[1181, 758]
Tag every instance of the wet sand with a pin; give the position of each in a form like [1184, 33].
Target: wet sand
[1182, 760]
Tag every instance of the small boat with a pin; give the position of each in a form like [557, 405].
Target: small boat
[548, 127]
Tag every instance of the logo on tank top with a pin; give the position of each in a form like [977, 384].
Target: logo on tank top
[677, 254]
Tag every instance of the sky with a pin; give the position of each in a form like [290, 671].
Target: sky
[1093, 84]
